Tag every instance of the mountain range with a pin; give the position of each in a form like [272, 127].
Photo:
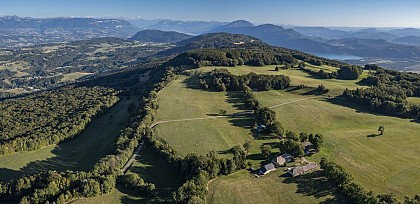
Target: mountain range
[367, 43]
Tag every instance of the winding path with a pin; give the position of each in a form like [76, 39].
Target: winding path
[303, 99]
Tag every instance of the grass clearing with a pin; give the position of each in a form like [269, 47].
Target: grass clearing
[73, 76]
[182, 99]
[383, 164]
[77, 154]
[275, 187]
[297, 77]
[413, 100]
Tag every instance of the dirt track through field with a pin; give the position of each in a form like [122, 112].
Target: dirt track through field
[225, 116]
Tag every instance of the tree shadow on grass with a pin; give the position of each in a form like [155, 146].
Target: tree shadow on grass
[342, 101]
[374, 135]
[7, 175]
[154, 168]
[315, 184]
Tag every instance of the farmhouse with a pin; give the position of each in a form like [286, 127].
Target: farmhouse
[267, 169]
[282, 159]
[279, 161]
[299, 170]
[287, 157]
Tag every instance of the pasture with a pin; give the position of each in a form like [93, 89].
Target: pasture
[297, 77]
[275, 187]
[183, 99]
[382, 163]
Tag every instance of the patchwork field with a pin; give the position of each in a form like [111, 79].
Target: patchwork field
[78, 154]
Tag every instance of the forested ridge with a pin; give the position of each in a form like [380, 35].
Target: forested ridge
[389, 92]
[47, 118]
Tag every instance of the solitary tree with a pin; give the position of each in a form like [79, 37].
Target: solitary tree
[266, 151]
[381, 129]
[222, 112]
[277, 69]
[247, 146]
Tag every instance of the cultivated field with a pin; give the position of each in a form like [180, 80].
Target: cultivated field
[77, 154]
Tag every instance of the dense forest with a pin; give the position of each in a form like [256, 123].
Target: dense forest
[222, 80]
[388, 93]
[50, 117]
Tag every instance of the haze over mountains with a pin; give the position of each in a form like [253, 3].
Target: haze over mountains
[395, 47]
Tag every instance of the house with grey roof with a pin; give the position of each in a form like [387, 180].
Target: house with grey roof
[267, 169]
[299, 170]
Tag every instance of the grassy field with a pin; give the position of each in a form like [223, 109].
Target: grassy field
[414, 100]
[383, 164]
[73, 76]
[297, 77]
[78, 154]
[275, 187]
[183, 100]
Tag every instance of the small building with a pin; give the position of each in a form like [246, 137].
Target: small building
[299, 170]
[267, 169]
[287, 157]
[279, 161]
[261, 128]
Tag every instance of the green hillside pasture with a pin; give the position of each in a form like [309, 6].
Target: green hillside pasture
[153, 168]
[275, 187]
[73, 76]
[297, 77]
[77, 154]
[383, 164]
[182, 99]
[414, 100]
[326, 68]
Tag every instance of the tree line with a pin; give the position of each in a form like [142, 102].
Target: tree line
[61, 187]
[354, 192]
[345, 72]
[388, 93]
[49, 117]
[223, 80]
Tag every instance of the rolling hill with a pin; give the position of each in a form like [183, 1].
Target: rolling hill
[159, 36]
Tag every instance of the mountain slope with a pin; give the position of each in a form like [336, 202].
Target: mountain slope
[278, 36]
[159, 36]
[189, 27]
[16, 31]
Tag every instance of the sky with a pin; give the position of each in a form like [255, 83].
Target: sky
[348, 13]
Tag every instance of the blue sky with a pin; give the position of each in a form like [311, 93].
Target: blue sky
[363, 13]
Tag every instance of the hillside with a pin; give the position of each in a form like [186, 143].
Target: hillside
[159, 36]
[17, 31]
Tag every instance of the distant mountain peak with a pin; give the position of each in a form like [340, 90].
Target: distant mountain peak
[239, 23]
